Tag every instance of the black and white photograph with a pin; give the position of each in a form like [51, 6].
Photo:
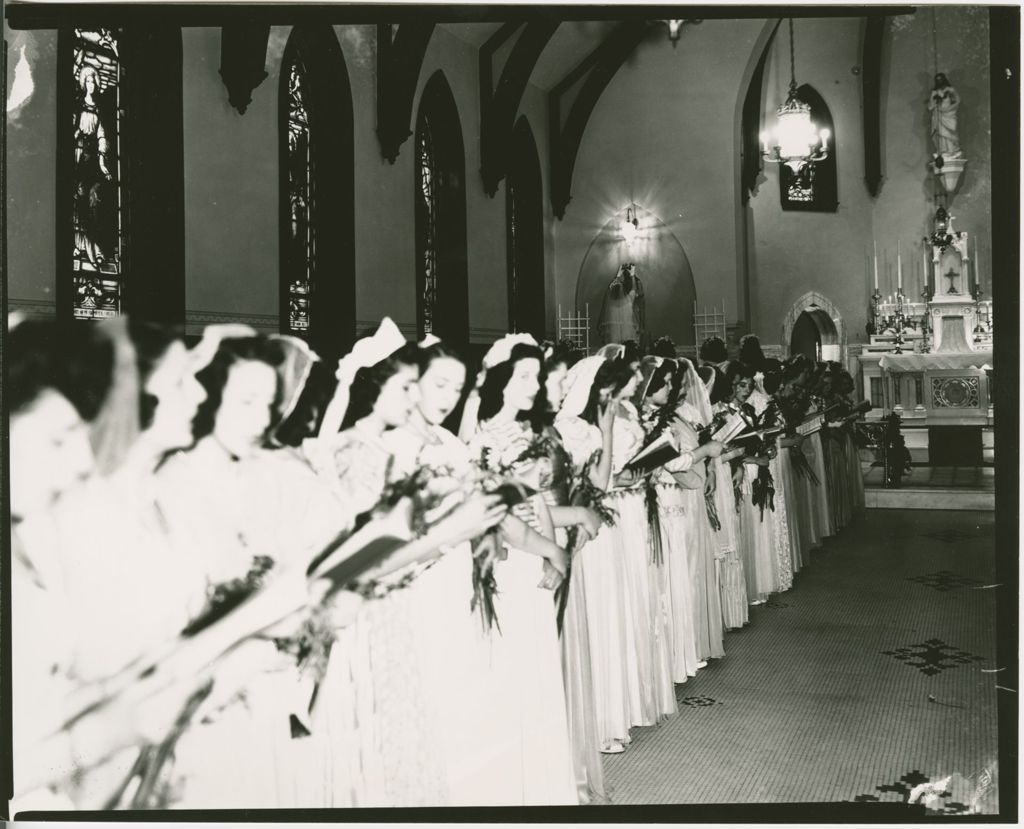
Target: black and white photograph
[548, 413]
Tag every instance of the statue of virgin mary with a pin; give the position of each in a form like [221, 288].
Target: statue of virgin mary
[622, 313]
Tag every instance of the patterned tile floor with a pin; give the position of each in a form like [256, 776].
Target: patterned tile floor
[940, 477]
[870, 677]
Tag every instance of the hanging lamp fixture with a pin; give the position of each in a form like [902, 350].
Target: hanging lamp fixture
[631, 226]
[797, 141]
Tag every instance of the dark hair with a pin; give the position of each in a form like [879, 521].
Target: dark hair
[772, 381]
[611, 374]
[150, 340]
[492, 391]
[713, 350]
[304, 420]
[368, 382]
[438, 351]
[563, 353]
[844, 383]
[664, 347]
[74, 361]
[737, 370]
[750, 352]
[630, 352]
[214, 377]
[660, 375]
[721, 388]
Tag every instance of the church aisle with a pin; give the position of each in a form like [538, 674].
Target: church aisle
[863, 681]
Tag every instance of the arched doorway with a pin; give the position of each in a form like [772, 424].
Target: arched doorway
[815, 336]
[815, 327]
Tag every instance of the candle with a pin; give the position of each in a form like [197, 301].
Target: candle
[899, 267]
[924, 267]
[876, 264]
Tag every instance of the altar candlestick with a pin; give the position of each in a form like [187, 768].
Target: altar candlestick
[899, 267]
[876, 264]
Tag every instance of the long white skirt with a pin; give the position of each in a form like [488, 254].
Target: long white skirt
[672, 505]
[528, 759]
[608, 632]
[632, 542]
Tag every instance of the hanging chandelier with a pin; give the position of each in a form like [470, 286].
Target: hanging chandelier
[797, 141]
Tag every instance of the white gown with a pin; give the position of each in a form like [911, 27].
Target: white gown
[531, 757]
[270, 504]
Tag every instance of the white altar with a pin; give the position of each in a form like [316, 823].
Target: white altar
[931, 361]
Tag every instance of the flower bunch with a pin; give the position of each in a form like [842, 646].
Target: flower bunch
[224, 597]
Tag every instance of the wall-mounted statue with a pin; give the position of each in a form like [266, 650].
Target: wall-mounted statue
[622, 314]
[943, 102]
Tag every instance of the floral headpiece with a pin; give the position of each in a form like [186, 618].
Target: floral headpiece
[365, 353]
[502, 349]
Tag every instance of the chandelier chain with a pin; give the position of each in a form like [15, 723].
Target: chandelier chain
[792, 58]
[935, 42]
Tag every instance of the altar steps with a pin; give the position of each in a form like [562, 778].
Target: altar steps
[934, 487]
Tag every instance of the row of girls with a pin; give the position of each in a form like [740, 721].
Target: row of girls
[488, 660]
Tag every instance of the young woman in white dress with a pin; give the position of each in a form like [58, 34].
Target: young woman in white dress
[693, 414]
[453, 641]
[586, 423]
[237, 502]
[126, 583]
[569, 462]
[732, 579]
[526, 654]
[50, 456]
[633, 546]
[374, 702]
[756, 529]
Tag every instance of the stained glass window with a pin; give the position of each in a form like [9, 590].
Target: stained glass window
[427, 202]
[98, 184]
[302, 242]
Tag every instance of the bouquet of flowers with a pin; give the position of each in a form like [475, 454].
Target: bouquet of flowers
[224, 597]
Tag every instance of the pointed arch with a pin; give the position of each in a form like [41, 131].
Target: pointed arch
[442, 282]
[120, 208]
[816, 187]
[524, 220]
[827, 320]
[317, 277]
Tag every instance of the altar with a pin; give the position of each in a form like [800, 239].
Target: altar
[930, 362]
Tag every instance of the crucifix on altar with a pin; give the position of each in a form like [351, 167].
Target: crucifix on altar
[952, 275]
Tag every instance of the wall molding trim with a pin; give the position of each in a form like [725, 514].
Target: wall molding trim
[196, 320]
[33, 308]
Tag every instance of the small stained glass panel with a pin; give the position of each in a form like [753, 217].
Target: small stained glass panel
[97, 180]
[301, 254]
[427, 225]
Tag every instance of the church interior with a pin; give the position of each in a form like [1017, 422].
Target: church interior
[839, 182]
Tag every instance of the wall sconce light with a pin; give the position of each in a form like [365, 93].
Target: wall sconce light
[797, 140]
[631, 225]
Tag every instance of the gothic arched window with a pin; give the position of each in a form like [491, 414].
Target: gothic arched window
[95, 255]
[524, 207]
[815, 186]
[317, 216]
[442, 303]
[121, 204]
